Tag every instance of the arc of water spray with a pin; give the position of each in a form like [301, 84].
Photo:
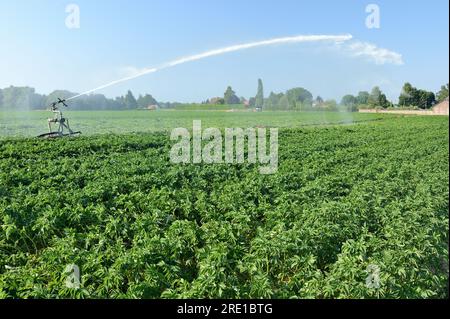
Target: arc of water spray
[239, 47]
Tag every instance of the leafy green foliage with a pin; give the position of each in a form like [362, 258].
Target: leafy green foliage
[259, 98]
[443, 93]
[344, 198]
[25, 98]
[378, 99]
[20, 98]
[349, 100]
[130, 101]
[146, 101]
[412, 96]
[363, 98]
[298, 97]
[230, 97]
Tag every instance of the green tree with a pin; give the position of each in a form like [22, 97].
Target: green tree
[130, 101]
[384, 102]
[408, 96]
[378, 99]
[426, 99]
[120, 102]
[349, 100]
[284, 102]
[299, 98]
[412, 96]
[319, 100]
[374, 97]
[273, 101]
[146, 100]
[96, 101]
[330, 105]
[363, 98]
[443, 93]
[259, 98]
[230, 96]
[1, 98]
[21, 98]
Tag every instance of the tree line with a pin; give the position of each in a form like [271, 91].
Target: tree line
[26, 98]
[300, 99]
[410, 97]
[297, 99]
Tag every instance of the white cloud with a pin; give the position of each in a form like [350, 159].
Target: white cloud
[371, 51]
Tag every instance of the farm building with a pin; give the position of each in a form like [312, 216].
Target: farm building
[441, 108]
[215, 100]
[152, 107]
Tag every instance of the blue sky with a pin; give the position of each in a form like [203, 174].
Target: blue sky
[116, 36]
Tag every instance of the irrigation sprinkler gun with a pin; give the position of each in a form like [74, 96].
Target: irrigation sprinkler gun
[58, 119]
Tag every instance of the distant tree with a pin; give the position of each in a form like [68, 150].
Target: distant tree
[283, 103]
[426, 99]
[119, 102]
[252, 102]
[259, 98]
[86, 102]
[374, 97]
[330, 105]
[21, 98]
[25, 98]
[384, 102]
[299, 97]
[411, 96]
[146, 100]
[319, 100]
[230, 97]
[378, 99]
[130, 101]
[98, 101]
[273, 101]
[349, 100]
[443, 93]
[408, 96]
[363, 98]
